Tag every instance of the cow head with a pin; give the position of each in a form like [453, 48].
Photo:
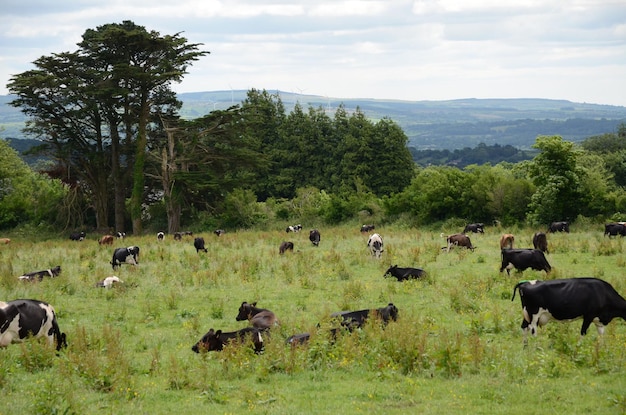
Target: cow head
[209, 342]
[245, 311]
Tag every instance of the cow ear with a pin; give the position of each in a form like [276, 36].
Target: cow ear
[254, 304]
[242, 303]
[217, 333]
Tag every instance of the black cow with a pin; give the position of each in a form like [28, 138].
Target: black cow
[540, 241]
[32, 276]
[522, 259]
[77, 236]
[314, 237]
[460, 240]
[403, 274]
[367, 228]
[356, 319]
[285, 246]
[614, 229]
[219, 232]
[198, 243]
[261, 318]
[125, 255]
[475, 228]
[595, 300]
[216, 340]
[559, 227]
[20, 319]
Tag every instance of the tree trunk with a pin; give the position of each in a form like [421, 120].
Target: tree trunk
[118, 181]
[138, 170]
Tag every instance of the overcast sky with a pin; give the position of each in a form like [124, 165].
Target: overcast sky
[391, 49]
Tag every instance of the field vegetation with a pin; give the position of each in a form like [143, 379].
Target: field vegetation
[457, 346]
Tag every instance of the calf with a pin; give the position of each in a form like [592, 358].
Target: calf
[216, 340]
[108, 282]
[475, 228]
[219, 232]
[367, 228]
[125, 255]
[460, 240]
[285, 246]
[314, 237]
[38, 275]
[614, 229]
[522, 259]
[506, 241]
[294, 228]
[375, 244]
[77, 236]
[559, 227]
[106, 240]
[540, 242]
[403, 274]
[356, 319]
[160, 236]
[198, 243]
[20, 319]
[259, 318]
[592, 299]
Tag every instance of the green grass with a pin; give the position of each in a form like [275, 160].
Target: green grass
[457, 347]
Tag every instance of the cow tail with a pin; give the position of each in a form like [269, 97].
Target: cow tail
[516, 287]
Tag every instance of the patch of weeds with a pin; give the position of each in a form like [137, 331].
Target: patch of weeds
[36, 354]
[353, 290]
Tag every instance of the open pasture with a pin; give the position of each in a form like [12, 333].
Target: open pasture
[456, 348]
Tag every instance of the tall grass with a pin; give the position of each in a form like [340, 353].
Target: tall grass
[456, 348]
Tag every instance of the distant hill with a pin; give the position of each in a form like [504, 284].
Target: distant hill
[430, 125]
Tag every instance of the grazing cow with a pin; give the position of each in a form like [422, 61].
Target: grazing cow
[106, 240]
[367, 228]
[125, 255]
[506, 241]
[522, 259]
[216, 340]
[198, 243]
[540, 241]
[403, 274]
[595, 300]
[120, 235]
[4, 241]
[614, 229]
[108, 282]
[38, 275]
[461, 240]
[356, 319]
[294, 228]
[178, 236]
[77, 236]
[475, 228]
[314, 237]
[285, 246]
[559, 227]
[20, 319]
[260, 318]
[375, 244]
[160, 236]
[219, 232]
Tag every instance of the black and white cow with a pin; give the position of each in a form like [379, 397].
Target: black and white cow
[522, 259]
[285, 246]
[198, 243]
[592, 299]
[474, 227]
[77, 236]
[160, 236]
[20, 319]
[109, 282]
[219, 232]
[356, 319]
[293, 228]
[540, 241]
[559, 227]
[375, 245]
[216, 340]
[403, 274]
[261, 318]
[314, 237]
[120, 235]
[367, 228]
[38, 275]
[128, 255]
[614, 229]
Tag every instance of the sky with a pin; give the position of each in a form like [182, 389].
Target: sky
[388, 49]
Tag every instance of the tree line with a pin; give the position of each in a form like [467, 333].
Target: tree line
[123, 158]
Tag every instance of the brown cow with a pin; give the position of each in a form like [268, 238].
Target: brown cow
[459, 239]
[285, 246]
[106, 240]
[540, 241]
[4, 241]
[260, 318]
[506, 241]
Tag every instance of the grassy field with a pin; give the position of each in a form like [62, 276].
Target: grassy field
[456, 348]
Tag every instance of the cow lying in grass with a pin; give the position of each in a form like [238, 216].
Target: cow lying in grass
[403, 274]
[38, 275]
[259, 318]
[216, 340]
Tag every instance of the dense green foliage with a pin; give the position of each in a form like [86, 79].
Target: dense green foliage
[456, 348]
